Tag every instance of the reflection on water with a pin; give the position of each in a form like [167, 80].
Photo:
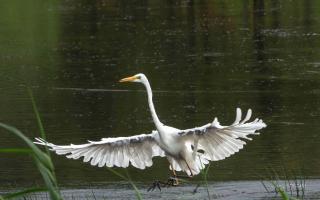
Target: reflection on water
[203, 60]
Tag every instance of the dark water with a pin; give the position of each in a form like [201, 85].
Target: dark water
[203, 59]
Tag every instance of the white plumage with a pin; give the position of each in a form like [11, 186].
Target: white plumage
[187, 150]
[138, 150]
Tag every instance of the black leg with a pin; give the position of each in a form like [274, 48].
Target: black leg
[156, 184]
[172, 181]
[196, 189]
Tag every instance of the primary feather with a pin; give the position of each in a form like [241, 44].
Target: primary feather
[137, 150]
[219, 142]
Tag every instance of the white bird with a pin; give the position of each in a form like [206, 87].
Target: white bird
[187, 150]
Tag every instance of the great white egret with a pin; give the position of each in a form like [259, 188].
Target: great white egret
[187, 150]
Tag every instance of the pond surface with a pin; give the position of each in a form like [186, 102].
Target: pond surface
[203, 59]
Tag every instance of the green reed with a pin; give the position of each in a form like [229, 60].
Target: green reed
[290, 187]
[41, 159]
[204, 173]
[128, 179]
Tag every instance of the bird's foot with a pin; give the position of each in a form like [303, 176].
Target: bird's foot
[195, 190]
[156, 184]
[172, 181]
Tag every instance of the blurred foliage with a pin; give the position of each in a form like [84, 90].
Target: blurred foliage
[41, 159]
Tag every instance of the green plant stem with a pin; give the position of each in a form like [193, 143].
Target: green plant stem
[204, 172]
[43, 135]
[279, 189]
[39, 154]
[206, 180]
[138, 195]
[42, 161]
[128, 178]
[38, 118]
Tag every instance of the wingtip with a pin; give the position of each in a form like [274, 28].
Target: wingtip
[238, 110]
[39, 141]
[238, 116]
[249, 111]
[248, 116]
[215, 122]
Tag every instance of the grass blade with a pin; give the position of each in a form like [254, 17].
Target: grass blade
[138, 195]
[283, 194]
[54, 193]
[42, 161]
[39, 154]
[36, 112]
[204, 172]
[117, 173]
[128, 178]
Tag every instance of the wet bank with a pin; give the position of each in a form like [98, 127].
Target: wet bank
[230, 190]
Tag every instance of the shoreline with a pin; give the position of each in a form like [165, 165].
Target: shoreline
[226, 190]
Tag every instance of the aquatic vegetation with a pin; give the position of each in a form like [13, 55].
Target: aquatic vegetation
[41, 159]
[204, 174]
[44, 163]
[128, 179]
[289, 186]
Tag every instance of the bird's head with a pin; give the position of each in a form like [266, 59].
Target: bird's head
[139, 78]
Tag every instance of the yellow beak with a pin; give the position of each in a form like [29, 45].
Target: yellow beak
[128, 79]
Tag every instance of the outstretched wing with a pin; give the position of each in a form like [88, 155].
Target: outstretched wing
[219, 142]
[137, 150]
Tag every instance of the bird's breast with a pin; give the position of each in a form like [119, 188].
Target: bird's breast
[169, 142]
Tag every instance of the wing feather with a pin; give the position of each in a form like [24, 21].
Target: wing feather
[126, 157]
[104, 155]
[219, 142]
[137, 150]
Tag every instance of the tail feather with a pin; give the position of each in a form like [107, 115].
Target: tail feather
[190, 165]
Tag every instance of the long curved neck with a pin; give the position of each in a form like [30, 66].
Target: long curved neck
[151, 106]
